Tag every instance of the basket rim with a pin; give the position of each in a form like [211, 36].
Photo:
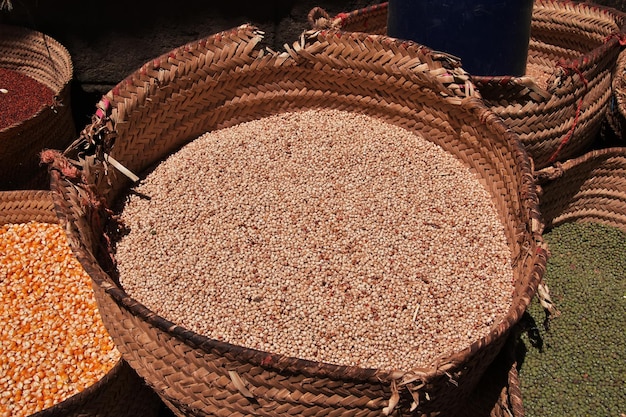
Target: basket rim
[60, 91]
[471, 105]
[319, 18]
[550, 176]
[15, 31]
[551, 173]
[42, 203]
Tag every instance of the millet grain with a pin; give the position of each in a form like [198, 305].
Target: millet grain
[322, 234]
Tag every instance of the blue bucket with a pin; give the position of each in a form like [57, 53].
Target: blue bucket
[491, 37]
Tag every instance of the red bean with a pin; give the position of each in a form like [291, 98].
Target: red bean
[21, 97]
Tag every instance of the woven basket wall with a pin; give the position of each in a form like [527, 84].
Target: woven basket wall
[616, 116]
[47, 61]
[120, 392]
[616, 113]
[227, 79]
[590, 188]
[557, 109]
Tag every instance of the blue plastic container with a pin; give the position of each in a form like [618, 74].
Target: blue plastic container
[490, 36]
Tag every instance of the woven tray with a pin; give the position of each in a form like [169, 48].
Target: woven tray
[591, 188]
[47, 61]
[120, 392]
[227, 79]
[572, 52]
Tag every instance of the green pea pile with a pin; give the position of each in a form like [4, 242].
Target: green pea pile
[580, 368]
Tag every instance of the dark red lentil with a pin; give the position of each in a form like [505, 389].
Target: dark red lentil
[21, 97]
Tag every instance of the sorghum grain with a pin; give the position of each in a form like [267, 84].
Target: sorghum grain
[22, 96]
[323, 235]
[53, 343]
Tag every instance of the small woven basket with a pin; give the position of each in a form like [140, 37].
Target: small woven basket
[118, 393]
[558, 107]
[47, 61]
[227, 79]
[590, 188]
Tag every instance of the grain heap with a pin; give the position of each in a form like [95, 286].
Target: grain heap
[581, 370]
[323, 235]
[21, 97]
[53, 342]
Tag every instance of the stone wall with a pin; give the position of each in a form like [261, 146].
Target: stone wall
[109, 40]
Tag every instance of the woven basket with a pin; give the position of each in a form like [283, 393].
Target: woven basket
[591, 188]
[118, 393]
[227, 79]
[557, 109]
[616, 113]
[47, 61]
[616, 116]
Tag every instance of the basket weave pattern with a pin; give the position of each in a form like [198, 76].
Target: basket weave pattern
[227, 79]
[589, 188]
[616, 116]
[47, 61]
[557, 112]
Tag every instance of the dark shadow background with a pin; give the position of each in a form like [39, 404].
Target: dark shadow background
[110, 40]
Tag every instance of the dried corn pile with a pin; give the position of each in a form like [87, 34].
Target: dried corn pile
[323, 235]
[53, 343]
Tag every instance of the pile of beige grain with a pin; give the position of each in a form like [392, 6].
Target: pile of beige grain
[322, 234]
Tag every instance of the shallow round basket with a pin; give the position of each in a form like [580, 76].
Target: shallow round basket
[590, 188]
[118, 393]
[40, 57]
[558, 107]
[227, 79]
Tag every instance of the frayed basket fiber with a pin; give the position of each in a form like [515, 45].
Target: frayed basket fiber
[38, 56]
[558, 107]
[120, 392]
[227, 79]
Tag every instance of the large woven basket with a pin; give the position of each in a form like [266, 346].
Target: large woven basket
[227, 79]
[41, 57]
[120, 392]
[590, 188]
[558, 107]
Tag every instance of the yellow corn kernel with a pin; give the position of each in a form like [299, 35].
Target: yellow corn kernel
[53, 343]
